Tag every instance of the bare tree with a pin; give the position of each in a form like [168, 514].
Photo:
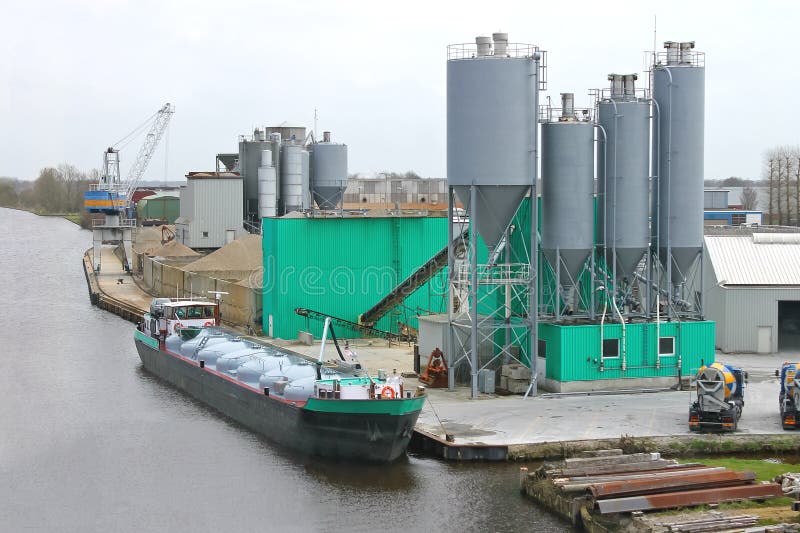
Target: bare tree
[749, 198]
[771, 188]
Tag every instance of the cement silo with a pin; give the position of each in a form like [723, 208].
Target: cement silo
[267, 186]
[568, 192]
[291, 177]
[328, 173]
[623, 159]
[306, 179]
[492, 106]
[250, 149]
[491, 129]
[679, 92]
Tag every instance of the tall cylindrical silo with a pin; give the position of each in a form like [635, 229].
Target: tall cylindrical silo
[250, 149]
[267, 186]
[306, 173]
[679, 92]
[491, 130]
[328, 174]
[568, 192]
[291, 177]
[623, 171]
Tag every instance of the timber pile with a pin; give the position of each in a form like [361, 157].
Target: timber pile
[605, 487]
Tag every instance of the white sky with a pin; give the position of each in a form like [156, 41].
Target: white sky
[77, 76]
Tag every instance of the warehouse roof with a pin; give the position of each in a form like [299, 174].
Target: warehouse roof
[757, 259]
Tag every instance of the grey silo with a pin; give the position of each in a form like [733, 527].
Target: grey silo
[491, 123]
[306, 179]
[328, 174]
[623, 175]
[679, 92]
[267, 186]
[567, 192]
[291, 177]
[249, 160]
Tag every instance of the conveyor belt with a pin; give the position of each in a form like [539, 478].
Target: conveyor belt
[354, 326]
[406, 287]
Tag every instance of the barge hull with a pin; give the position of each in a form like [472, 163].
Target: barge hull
[372, 437]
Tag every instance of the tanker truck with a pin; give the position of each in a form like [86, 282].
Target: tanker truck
[789, 398]
[720, 398]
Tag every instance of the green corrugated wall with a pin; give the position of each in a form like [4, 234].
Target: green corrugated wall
[165, 207]
[573, 352]
[343, 266]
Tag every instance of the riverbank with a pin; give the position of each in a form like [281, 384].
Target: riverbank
[509, 428]
[75, 218]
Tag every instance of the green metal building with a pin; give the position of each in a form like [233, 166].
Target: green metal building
[344, 266]
[164, 206]
[575, 355]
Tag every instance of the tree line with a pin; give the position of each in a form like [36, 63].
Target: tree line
[56, 190]
[782, 173]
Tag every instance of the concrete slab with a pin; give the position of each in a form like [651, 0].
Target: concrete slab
[116, 283]
[511, 420]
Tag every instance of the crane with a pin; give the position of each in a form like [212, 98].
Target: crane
[112, 196]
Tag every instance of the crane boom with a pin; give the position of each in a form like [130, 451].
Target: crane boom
[147, 149]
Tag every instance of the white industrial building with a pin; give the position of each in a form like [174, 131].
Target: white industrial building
[751, 285]
[211, 210]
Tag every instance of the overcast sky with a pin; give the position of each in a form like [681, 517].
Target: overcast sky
[77, 76]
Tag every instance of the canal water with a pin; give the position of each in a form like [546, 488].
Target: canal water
[90, 442]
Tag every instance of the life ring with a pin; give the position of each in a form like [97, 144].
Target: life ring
[207, 324]
[388, 392]
[177, 328]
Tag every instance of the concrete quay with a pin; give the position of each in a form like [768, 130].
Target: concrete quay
[454, 427]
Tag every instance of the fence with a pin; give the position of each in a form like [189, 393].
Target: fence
[240, 306]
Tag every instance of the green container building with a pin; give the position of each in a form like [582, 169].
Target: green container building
[344, 266]
[577, 354]
[159, 206]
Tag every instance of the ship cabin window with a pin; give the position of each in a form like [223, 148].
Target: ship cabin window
[208, 311]
[610, 348]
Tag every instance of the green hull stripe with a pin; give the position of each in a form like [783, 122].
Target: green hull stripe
[381, 407]
[150, 341]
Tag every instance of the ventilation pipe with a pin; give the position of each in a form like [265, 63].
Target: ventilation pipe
[686, 52]
[617, 85]
[629, 85]
[673, 52]
[567, 106]
[500, 44]
[326, 136]
[484, 45]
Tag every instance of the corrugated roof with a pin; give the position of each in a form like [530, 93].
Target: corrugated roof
[754, 260]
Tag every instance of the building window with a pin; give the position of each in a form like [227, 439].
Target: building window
[205, 234]
[610, 348]
[666, 346]
[541, 349]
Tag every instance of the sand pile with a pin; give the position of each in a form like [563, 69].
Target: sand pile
[173, 249]
[147, 239]
[242, 254]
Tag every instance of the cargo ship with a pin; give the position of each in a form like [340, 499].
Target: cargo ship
[332, 409]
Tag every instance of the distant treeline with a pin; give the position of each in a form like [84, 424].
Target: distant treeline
[56, 191]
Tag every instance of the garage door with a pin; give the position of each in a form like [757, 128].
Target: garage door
[788, 326]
